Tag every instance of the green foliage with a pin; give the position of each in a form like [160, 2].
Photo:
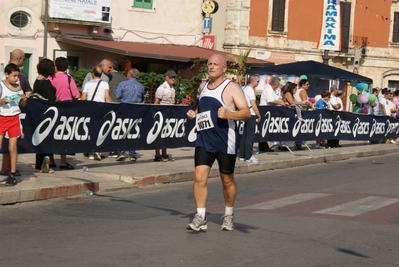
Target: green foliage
[151, 79]
[79, 75]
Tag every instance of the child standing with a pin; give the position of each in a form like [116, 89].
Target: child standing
[11, 94]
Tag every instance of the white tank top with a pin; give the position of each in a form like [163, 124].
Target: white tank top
[296, 95]
[12, 108]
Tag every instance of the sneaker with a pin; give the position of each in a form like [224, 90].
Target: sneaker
[113, 154]
[97, 156]
[252, 160]
[121, 157]
[319, 146]
[228, 223]
[392, 141]
[132, 158]
[197, 224]
[45, 165]
[91, 157]
[242, 159]
[11, 180]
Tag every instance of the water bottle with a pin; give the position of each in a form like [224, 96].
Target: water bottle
[89, 193]
[85, 169]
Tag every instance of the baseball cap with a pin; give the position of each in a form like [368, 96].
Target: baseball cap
[303, 77]
[171, 73]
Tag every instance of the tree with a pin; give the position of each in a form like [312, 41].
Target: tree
[240, 66]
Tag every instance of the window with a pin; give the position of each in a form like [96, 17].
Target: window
[278, 15]
[395, 30]
[345, 26]
[143, 4]
[20, 19]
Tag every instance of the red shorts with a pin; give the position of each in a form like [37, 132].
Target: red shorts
[11, 125]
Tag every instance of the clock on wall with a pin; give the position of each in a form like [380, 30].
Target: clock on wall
[209, 7]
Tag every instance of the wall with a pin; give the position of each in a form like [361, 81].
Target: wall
[369, 18]
[168, 22]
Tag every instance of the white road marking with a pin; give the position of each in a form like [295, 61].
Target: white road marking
[360, 206]
[281, 202]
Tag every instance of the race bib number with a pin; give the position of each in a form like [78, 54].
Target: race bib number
[204, 121]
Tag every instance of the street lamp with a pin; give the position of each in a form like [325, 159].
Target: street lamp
[45, 29]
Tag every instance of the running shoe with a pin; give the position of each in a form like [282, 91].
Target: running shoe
[197, 224]
[228, 223]
[252, 160]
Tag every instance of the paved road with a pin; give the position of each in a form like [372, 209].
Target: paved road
[109, 175]
[343, 213]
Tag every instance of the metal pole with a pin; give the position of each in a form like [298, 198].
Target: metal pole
[325, 57]
[45, 29]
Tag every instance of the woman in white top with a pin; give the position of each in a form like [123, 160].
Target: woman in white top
[301, 95]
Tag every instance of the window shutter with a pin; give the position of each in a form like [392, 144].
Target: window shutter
[143, 4]
[345, 25]
[395, 28]
[278, 15]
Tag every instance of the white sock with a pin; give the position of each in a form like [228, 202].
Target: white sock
[201, 211]
[228, 211]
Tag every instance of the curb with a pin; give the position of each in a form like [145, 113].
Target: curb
[26, 195]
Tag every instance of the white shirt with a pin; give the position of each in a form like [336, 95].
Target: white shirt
[166, 94]
[391, 106]
[297, 96]
[249, 95]
[268, 95]
[335, 100]
[90, 87]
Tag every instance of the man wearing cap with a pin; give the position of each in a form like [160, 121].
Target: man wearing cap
[165, 95]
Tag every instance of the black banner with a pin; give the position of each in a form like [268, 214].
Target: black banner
[85, 126]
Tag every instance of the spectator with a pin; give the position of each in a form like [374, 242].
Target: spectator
[323, 103]
[65, 90]
[43, 89]
[270, 97]
[96, 90]
[106, 67]
[18, 58]
[165, 95]
[115, 79]
[9, 116]
[288, 93]
[247, 138]
[130, 92]
[337, 105]
[376, 106]
[301, 95]
[269, 94]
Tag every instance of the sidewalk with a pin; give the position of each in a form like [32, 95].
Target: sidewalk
[108, 174]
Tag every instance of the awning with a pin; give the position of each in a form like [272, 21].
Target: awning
[180, 53]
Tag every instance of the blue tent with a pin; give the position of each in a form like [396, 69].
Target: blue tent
[311, 69]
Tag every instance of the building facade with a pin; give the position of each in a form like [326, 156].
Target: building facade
[124, 21]
[284, 31]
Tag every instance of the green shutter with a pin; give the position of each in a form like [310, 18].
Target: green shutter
[143, 4]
